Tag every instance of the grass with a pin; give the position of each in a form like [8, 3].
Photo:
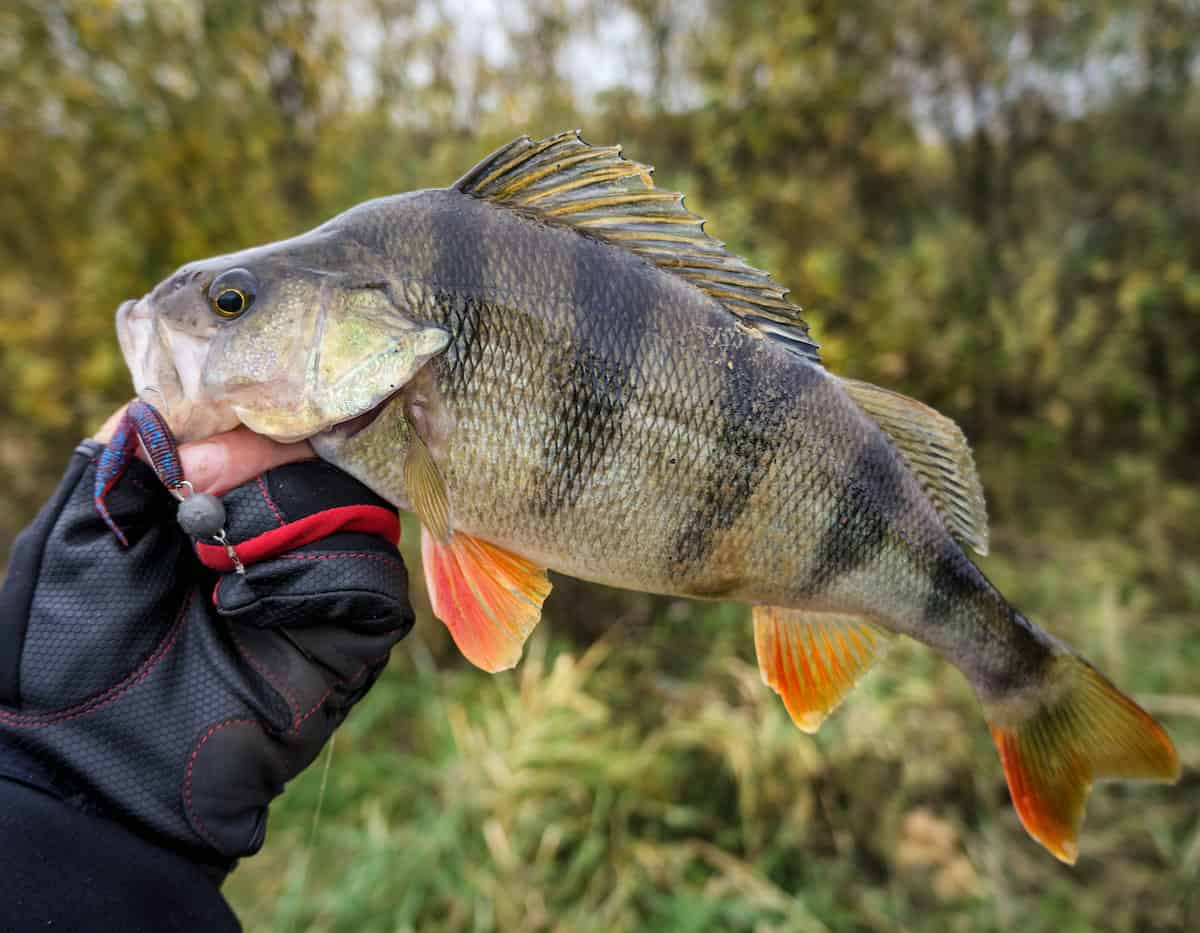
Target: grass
[647, 780]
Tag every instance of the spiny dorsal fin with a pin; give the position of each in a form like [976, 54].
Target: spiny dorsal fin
[937, 452]
[597, 189]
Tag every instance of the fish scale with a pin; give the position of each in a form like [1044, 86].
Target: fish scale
[556, 366]
[734, 423]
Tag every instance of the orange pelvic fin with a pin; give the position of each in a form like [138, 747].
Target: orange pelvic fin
[813, 659]
[489, 598]
[1054, 746]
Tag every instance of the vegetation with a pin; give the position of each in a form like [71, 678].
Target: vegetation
[991, 206]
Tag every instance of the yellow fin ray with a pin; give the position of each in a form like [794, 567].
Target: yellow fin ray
[426, 489]
[937, 452]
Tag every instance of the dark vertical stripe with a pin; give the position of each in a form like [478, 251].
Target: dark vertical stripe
[595, 371]
[459, 241]
[753, 427]
[997, 647]
[955, 585]
[464, 319]
[459, 245]
[863, 511]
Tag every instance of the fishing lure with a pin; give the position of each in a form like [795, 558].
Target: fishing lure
[200, 515]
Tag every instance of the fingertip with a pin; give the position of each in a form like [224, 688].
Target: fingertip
[258, 454]
[227, 460]
[205, 464]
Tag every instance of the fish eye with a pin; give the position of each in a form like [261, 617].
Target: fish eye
[231, 301]
[232, 292]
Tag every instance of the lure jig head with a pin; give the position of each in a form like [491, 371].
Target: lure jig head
[200, 514]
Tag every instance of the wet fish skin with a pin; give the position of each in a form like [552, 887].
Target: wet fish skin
[594, 411]
[658, 447]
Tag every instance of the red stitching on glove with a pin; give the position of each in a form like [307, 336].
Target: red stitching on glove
[349, 683]
[281, 688]
[187, 778]
[262, 487]
[361, 555]
[89, 706]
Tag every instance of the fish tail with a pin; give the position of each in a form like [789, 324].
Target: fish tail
[1071, 730]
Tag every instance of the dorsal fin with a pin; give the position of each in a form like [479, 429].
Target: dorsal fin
[938, 454]
[597, 189]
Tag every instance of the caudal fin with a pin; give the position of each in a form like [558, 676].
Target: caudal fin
[1081, 730]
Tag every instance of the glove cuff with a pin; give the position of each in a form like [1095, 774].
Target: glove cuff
[295, 505]
[370, 519]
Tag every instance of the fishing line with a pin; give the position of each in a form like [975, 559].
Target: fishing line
[312, 830]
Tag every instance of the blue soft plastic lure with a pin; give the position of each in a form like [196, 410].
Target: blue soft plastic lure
[141, 422]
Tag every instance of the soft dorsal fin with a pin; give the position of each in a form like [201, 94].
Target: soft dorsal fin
[597, 189]
[937, 452]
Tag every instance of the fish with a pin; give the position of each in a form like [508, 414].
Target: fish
[555, 367]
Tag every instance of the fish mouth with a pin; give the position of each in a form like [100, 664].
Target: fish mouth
[159, 380]
[359, 423]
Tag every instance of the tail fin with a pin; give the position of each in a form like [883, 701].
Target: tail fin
[1081, 730]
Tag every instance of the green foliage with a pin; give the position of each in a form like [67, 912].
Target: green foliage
[990, 206]
[650, 781]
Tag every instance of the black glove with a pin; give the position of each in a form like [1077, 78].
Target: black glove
[155, 688]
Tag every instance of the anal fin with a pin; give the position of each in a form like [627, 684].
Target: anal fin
[489, 598]
[813, 659]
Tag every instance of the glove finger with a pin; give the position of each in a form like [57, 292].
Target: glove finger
[361, 590]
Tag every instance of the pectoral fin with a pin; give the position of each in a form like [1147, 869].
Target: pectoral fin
[427, 489]
[489, 598]
[813, 659]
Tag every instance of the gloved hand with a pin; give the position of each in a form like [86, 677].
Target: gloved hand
[154, 688]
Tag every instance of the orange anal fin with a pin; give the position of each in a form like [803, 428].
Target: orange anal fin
[1053, 751]
[813, 659]
[489, 598]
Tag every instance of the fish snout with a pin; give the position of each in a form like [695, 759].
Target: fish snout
[131, 311]
[135, 324]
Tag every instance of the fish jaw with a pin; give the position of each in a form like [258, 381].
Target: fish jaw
[153, 353]
[355, 373]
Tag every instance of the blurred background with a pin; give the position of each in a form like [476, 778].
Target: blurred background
[992, 206]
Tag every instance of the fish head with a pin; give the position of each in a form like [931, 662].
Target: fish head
[289, 339]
